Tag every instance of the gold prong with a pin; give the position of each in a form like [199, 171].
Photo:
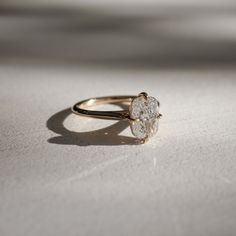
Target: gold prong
[133, 120]
[144, 140]
[143, 94]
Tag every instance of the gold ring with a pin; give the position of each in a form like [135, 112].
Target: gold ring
[143, 112]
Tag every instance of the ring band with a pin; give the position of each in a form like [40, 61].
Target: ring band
[143, 113]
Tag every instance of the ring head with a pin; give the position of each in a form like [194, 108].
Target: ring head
[144, 116]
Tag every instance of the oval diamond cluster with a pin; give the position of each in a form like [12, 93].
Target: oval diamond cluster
[144, 112]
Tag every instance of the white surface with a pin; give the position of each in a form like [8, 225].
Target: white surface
[82, 178]
[183, 182]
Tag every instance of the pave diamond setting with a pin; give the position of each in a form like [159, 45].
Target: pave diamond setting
[144, 114]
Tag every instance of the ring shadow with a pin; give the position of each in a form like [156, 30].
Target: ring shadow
[106, 136]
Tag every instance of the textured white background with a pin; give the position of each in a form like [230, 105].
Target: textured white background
[61, 174]
[183, 182]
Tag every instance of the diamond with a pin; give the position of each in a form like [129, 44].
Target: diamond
[144, 113]
[152, 127]
[139, 129]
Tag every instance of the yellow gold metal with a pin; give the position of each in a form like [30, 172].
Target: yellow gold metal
[79, 108]
[143, 94]
[144, 140]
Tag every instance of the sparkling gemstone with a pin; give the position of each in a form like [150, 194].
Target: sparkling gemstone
[139, 129]
[153, 127]
[144, 112]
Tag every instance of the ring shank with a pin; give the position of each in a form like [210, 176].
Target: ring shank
[79, 108]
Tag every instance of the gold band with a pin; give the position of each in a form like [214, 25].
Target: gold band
[79, 108]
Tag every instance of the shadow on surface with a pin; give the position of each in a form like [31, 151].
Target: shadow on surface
[105, 136]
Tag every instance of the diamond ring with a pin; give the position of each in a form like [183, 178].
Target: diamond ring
[143, 113]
